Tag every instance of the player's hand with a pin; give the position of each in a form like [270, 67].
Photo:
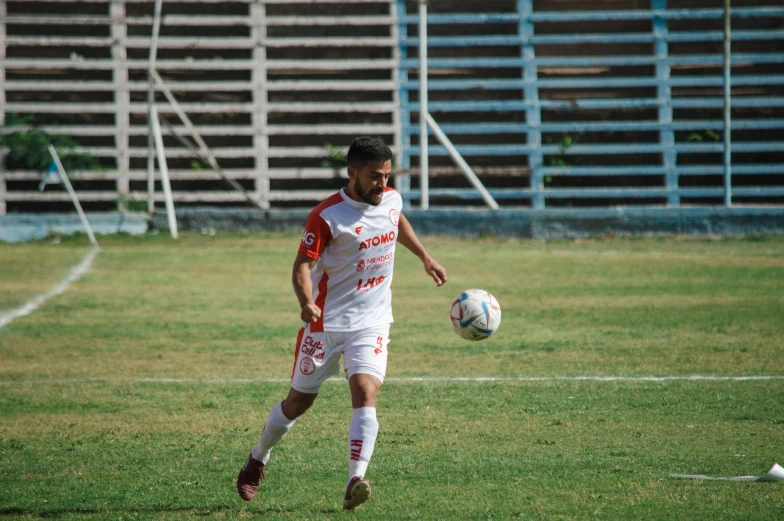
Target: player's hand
[435, 270]
[310, 313]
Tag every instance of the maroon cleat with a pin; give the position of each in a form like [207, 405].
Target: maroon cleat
[357, 492]
[249, 477]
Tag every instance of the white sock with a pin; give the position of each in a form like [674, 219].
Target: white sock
[276, 427]
[361, 440]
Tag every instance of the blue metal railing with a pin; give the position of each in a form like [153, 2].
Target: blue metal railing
[588, 16]
[697, 36]
[477, 91]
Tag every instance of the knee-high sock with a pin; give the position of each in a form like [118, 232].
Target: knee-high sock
[276, 427]
[361, 440]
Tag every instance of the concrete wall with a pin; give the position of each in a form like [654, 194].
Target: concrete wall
[30, 227]
[542, 225]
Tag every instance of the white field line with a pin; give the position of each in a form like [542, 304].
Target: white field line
[413, 379]
[77, 272]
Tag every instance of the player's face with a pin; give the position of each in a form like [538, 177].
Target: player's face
[370, 182]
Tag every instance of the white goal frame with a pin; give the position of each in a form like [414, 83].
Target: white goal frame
[426, 120]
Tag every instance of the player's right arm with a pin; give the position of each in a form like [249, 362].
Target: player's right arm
[303, 288]
[316, 237]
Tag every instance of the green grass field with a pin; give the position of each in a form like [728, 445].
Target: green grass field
[138, 392]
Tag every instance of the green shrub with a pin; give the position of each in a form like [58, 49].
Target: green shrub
[28, 146]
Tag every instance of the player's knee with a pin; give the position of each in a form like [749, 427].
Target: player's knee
[294, 408]
[364, 394]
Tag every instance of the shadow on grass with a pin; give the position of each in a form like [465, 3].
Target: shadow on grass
[194, 511]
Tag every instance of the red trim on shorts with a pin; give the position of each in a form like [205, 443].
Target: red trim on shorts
[296, 352]
[318, 326]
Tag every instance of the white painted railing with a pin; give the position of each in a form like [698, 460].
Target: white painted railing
[267, 84]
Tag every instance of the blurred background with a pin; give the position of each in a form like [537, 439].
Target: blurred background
[554, 103]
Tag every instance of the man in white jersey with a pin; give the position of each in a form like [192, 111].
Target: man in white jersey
[342, 277]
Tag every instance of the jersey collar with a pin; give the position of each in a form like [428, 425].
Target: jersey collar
[356, 204]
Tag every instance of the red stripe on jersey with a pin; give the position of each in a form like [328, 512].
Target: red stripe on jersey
[296, 352]
[317, 233]
[316, 237]
[389, 189]
[332, 200]
[318, 326]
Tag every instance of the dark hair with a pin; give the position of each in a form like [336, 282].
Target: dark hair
[366, 149]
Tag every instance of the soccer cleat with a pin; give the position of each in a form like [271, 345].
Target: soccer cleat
[249, 477]
[357, 492]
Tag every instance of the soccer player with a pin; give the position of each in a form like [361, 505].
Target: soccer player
[342, 277]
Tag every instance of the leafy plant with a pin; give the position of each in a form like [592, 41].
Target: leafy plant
[560, 158]
[707, 135]
[130, 205]
[28, 146]
[336, 158]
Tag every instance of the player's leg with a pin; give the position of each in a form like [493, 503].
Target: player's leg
[313, 363]
[365, 362]
[280, 420]
[364, 426]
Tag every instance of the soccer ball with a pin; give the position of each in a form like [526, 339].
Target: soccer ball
[475, 314]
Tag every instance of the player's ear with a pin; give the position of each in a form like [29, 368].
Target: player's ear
[352, 173]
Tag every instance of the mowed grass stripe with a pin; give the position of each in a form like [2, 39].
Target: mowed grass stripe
[210, 321]
[225, 304]
[558, 450]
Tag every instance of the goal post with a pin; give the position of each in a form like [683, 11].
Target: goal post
[67, 182]
[154, 137]
[426, 121]
[164, 168]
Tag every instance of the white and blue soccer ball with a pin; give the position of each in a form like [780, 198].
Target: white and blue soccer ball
[475, 314]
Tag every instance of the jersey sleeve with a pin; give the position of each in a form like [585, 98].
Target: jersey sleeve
[316, 237]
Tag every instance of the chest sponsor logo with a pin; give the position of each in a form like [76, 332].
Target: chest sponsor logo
[387, 238]
[308, 238]
[366, 285]
[394, 216]
[376, 263]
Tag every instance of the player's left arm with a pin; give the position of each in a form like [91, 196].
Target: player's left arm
[408, 238]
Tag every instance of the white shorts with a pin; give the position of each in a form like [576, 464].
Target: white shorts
[318, 355]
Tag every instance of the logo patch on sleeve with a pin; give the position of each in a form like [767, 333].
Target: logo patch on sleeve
[394, 216]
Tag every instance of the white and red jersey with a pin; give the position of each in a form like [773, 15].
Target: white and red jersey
[353, 244]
